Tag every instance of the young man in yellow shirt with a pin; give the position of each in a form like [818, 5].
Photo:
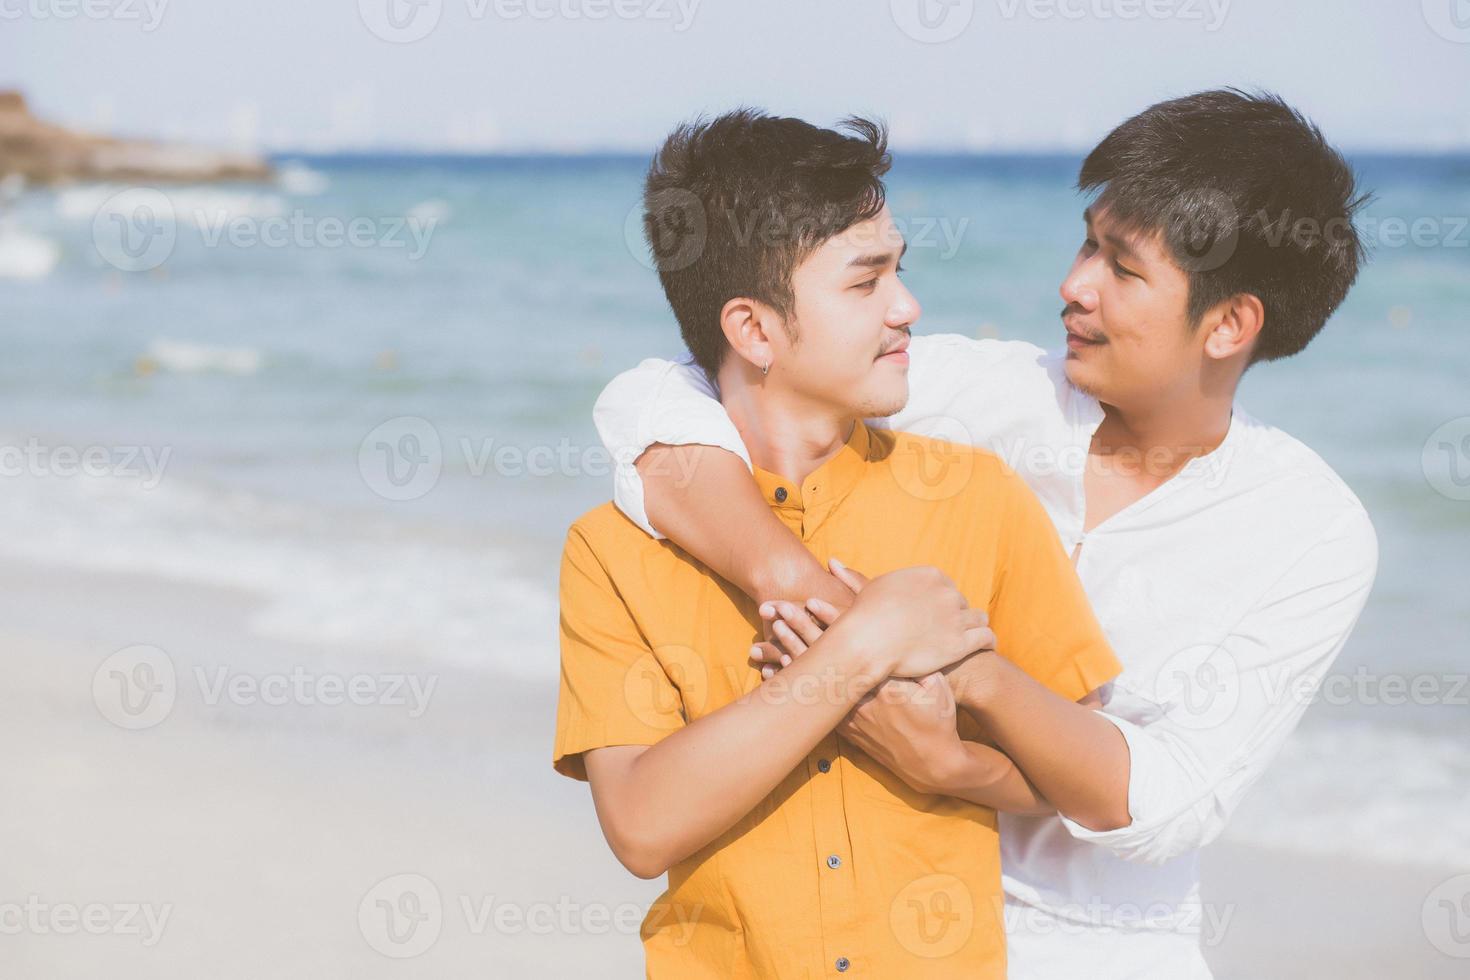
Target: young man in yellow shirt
[791, 853]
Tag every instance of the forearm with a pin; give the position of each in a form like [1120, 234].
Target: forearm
[689, 788]
[704, 500]
[1076, 759]
[983, 774]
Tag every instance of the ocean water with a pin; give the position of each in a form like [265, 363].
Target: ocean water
[386, 436]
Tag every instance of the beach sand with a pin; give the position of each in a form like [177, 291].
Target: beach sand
[260, 829]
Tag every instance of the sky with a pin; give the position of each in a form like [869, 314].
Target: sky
[597, 75]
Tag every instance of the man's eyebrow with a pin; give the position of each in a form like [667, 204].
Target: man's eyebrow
[1119, 243]
[875, 260]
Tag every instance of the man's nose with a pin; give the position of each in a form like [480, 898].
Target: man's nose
[904, 309]
[1077, 288]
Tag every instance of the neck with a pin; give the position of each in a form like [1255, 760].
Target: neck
[1168, 433]
[786, 433]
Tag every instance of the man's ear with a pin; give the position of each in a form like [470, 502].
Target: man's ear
[1236, 323]
[748, 325]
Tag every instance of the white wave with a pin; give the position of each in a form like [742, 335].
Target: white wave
[1365, 791]
[202, 204]
[321, 580]
[24, 255]
[186, 358]
[295, 177]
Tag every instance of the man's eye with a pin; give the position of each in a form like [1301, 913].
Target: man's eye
[1090, 244]
[869, 285]
[1122, 272]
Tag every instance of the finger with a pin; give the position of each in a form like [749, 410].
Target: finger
[974, 617]
[798, 620]
[787, 638]
[767, 672]
[979, 638]
[766, 654]
[824, 611]
[768, 616]
[849, 577]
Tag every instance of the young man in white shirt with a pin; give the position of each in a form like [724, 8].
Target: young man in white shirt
[1225, 560]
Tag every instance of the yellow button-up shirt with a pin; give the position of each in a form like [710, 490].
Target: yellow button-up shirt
[843, 870]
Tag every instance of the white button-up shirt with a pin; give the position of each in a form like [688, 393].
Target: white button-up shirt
[1226, 593]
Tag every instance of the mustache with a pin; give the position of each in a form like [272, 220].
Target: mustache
[1072, 310]
[888, 347]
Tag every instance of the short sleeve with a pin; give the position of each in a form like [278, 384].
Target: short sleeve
[1038, 610]
[613, 689]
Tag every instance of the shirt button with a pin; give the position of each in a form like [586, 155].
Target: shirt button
[780, 495]
[842, 964]
[823, 765]
[834, 862]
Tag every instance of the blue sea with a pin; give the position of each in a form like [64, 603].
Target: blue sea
[283, 349]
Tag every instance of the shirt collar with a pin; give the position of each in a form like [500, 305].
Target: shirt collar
[814, 498]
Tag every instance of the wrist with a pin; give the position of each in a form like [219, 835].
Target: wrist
[865, 663]
[945, 768]
[778, 578]
[976, 684]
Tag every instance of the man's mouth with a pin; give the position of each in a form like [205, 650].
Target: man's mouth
[898, 353]
[1078, 338]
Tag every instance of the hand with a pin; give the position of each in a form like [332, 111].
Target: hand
[973, 679]
[916, 621]
[789, 628]
[922, 622]
[910, 728]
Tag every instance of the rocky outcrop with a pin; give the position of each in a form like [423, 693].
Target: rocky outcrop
[47, 154]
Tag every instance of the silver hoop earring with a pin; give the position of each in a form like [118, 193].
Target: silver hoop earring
[765, 369]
